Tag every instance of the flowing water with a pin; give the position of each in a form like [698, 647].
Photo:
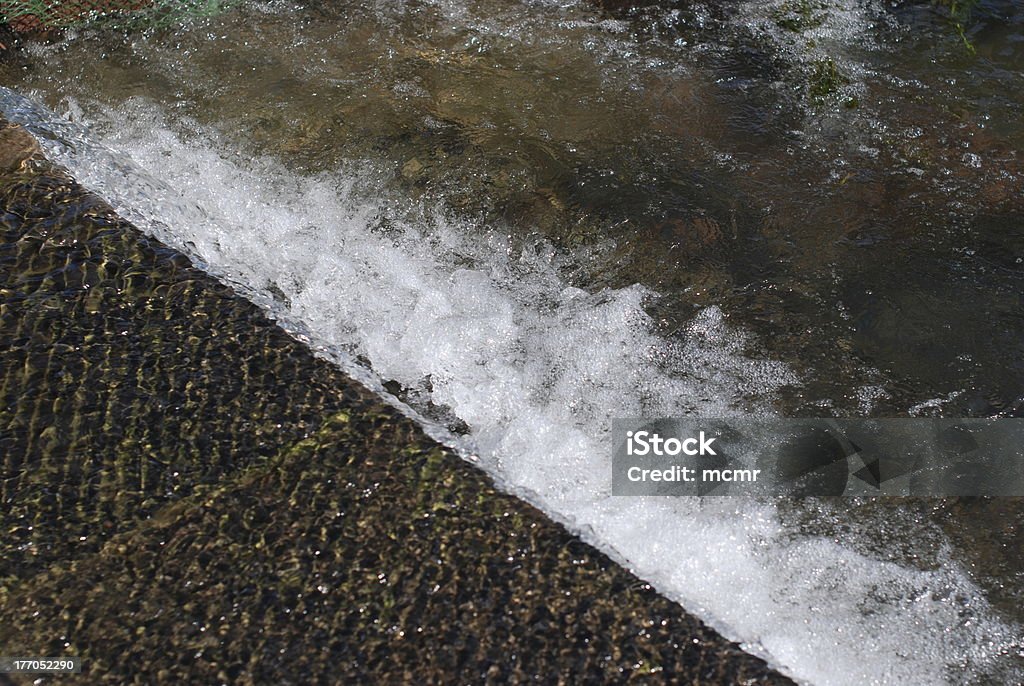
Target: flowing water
[524, 219]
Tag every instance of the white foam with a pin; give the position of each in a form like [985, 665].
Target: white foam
[537, 368]
[832, 29]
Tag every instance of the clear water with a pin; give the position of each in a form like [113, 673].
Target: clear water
[527, 219]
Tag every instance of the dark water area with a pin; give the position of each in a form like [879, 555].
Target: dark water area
[883, 221]
[841, 181]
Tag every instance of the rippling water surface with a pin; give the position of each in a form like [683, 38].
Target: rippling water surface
[526, 218]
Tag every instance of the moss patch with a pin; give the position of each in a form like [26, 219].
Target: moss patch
[800, 15]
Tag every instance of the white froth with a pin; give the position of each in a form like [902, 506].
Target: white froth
[537, 369]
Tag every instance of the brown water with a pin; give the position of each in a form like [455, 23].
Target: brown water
[878, 245]
[844, 185]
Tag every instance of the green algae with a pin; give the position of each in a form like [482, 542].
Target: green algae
[958, 15]
[800, 15]
[826, 80]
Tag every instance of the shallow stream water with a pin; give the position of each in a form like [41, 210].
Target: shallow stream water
[525, 219]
